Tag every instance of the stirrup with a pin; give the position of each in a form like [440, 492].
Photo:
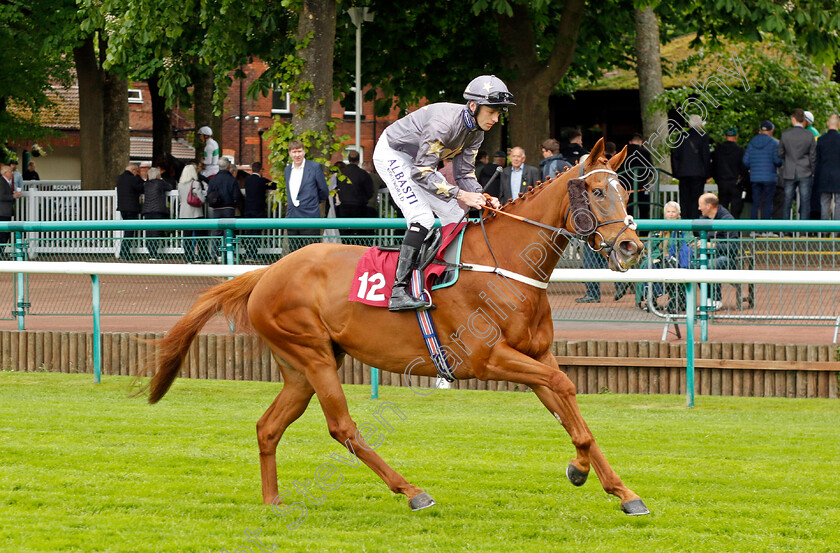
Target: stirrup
[401, 300]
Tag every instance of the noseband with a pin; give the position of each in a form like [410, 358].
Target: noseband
[603, 245]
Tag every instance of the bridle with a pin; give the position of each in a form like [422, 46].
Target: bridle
[585, 234]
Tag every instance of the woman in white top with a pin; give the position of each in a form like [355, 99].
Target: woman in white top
[189, 181]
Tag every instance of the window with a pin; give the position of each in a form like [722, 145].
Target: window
[280, 102]
[135, 96]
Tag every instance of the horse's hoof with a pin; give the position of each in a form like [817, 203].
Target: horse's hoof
[635, 507]
[420, 501]
[575, 476]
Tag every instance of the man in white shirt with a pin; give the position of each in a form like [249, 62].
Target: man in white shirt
[211, 152]
[16, 176]
[306, 190]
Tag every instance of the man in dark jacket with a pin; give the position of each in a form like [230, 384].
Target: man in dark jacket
[574, 149]
[728, 170]
[129, 189]
[798, 151]
[515, 179]
[226, 186]
[354, 193]
[761, 158]
[828, 169]
[8, 194]
[487, 172]
[635, 176]
[690, 163]
[725, 243]
[154, 207]
[553, 160]
[256, 188]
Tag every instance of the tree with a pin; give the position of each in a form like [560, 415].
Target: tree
[30, 65]
[649, 72]
[776, 78]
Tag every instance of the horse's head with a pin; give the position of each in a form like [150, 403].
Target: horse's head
[598, 209]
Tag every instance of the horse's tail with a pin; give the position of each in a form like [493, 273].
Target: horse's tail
[229, 297]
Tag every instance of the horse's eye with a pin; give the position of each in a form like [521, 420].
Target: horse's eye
[598, 193]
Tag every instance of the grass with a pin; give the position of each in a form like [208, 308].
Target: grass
[85, 468]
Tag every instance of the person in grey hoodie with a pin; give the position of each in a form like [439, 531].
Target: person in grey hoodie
[762, 160]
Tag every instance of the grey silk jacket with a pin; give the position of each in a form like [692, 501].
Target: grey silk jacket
[437, 132]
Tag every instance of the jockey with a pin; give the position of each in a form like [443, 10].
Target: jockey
[407, 156]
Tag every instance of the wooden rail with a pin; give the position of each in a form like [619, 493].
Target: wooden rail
[595, 366]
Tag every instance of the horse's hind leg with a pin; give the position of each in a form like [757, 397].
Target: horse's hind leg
[287, 407]
[324, 378]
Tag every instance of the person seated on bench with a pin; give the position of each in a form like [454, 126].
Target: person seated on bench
[670, 249]
[724, 243]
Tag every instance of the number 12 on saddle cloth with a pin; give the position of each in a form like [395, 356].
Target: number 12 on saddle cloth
[374, 274]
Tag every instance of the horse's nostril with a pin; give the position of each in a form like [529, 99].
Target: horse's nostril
[629, 247]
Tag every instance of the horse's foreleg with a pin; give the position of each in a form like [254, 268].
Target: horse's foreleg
[557, 392]
[343, 429]
[287, 407]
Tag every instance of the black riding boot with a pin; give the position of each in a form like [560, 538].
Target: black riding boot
[401, 300]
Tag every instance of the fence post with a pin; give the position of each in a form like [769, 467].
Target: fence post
[230, 246]
[22, 304]
[704, 287]
[97, 335]
[690, 316]
[374, 383]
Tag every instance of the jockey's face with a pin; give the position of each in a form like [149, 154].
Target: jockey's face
[487, 117]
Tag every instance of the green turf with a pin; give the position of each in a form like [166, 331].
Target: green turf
[85, 468]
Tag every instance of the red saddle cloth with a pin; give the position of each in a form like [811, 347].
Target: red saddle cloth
[374, 276]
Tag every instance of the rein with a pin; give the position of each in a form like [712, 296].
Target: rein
[603, 245]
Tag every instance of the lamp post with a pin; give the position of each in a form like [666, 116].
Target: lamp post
[359, 16]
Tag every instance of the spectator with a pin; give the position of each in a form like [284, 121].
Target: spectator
[378, 184]
[729, 173]
[487, 172]
[798, 151]
[306, 191]
[634, 175]
[724, 243]
[690, 163]
[609, 149]
[8, 195]
[223, 186]
[809, 124]
[574, 149]
[354, 192]
[481, 160]
[593, 260]
[827, 179]
[30, 173]
[553, 161]
[17, 178]
[211, 152]
[144, 170]
[256, 206]
[129, 189]
[670, 249]
[515, 179]
[761, 158]
[154, 207]
[195, 250]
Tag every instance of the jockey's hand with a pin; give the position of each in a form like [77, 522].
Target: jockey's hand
[475, 199]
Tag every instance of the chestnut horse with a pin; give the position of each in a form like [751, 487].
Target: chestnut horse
[299, 306]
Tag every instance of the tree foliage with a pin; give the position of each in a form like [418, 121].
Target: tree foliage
[780, 79]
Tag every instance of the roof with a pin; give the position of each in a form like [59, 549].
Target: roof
[63, 114]
[141, 148]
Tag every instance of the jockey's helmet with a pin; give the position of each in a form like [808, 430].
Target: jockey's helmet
[489, 90]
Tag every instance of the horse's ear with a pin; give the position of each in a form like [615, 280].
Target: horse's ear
[615, 161]
[596, 153]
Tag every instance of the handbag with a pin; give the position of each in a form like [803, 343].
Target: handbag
[194, 200]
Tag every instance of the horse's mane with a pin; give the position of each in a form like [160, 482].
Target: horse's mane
[514, 204]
